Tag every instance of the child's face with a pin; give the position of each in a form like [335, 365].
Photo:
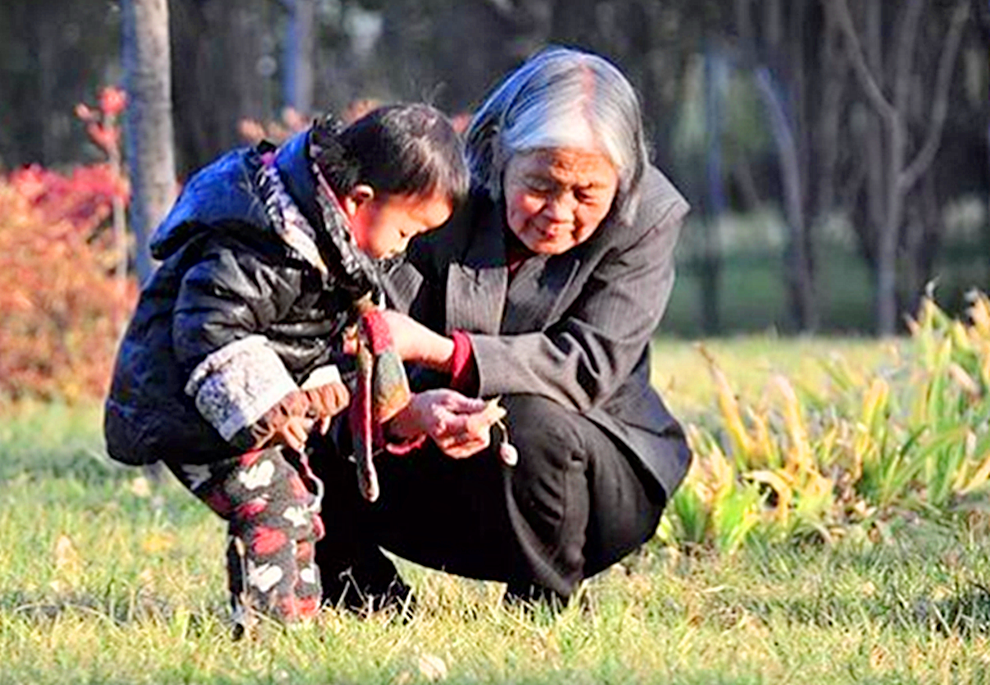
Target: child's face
[383, 225]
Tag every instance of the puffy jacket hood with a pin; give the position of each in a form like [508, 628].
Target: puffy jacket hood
[226, 191]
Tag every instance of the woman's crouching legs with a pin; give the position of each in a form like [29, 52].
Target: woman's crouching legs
[274, 524]
[570, 507]
[575, 502]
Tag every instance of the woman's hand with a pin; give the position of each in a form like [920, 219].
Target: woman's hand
[416, 343]
[460, 426]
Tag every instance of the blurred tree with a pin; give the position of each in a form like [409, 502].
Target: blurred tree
[716, 79]
[298, 55]
[450, 53]
[53, 55]
[150, 143]
[790, 48]
[224, 68]
[820, 96]
[905, 74]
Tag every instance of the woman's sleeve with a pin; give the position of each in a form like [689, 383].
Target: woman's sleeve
[224, 305]
[582, 358]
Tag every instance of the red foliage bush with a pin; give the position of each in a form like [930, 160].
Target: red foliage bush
[61, 309]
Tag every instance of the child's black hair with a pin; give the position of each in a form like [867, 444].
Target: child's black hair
[407, 149]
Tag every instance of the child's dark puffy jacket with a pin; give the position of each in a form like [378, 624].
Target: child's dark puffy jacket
[229, 290]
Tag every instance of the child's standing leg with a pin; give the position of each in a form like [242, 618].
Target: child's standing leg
[274, 524]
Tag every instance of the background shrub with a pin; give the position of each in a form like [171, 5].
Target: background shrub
[61, 306]
[910, 439]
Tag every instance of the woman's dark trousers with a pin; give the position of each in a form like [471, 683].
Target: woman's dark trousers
[572, 506]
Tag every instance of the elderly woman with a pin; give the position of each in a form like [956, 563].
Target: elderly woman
[544, 291]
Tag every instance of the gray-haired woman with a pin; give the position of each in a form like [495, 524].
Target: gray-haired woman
[545, 291]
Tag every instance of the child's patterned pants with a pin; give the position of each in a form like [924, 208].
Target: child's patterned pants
[274, 524]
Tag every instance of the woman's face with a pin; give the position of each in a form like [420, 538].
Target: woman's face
[556, 198]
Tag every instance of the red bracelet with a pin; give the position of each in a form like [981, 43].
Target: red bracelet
[403, 448]
[463, 370]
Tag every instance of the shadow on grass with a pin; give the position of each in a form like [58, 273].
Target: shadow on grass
[927, 576]
[114, 608]
[966, 614]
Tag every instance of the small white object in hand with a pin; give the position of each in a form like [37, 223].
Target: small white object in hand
[508, 453]
[506, 450]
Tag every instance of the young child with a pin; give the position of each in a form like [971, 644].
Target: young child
[231, 358]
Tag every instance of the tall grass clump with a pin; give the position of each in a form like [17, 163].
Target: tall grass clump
[911, 438]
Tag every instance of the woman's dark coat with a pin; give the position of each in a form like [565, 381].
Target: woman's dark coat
[574, 327]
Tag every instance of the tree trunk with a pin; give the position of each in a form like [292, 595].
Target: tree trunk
[890, 232]
[711, 263]
[299, 52]
[827, 138]
[799, 276]
[922, 236]
[778, 59]
[896, 172]
[150, 152]
[222, 74]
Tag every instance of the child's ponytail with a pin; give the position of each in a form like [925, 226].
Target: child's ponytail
[326, 149]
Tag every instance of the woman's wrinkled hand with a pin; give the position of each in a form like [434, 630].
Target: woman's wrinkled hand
[460, 426]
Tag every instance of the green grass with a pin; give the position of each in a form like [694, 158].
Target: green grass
[102, 581]
[682, 377]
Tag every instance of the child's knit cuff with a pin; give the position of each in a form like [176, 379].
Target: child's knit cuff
[234, 386]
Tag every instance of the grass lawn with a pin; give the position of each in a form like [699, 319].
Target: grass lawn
[105, 579]
[681, 374]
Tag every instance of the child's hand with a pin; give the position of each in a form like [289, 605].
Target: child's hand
[325, 402]
[290, 421]
[287, 423]
[293, 433]
[460, 426]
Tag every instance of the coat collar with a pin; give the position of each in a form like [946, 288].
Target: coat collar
[292, 163]
[477, 282]
[536, 290]
[227, 190]
[479, 297]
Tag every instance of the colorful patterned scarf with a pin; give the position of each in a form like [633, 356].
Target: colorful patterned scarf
[382, 389]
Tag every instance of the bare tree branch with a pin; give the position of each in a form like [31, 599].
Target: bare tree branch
[905, 53]
[744, 23]
[940, 106]
[858, 60]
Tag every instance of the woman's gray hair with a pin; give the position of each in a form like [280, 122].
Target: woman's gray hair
[561, 98]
